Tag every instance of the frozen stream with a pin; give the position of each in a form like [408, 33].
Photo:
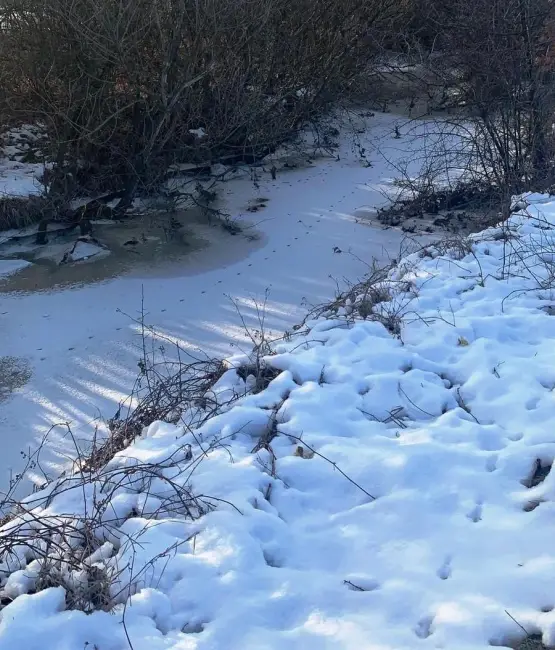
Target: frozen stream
[78, 348]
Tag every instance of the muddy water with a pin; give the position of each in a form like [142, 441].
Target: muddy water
[182, 243]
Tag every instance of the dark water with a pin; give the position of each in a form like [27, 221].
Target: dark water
[151, 245]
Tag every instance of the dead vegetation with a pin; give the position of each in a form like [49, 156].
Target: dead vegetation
[20, 212]
[493, 137]
[45, 545]
[83, 550]
[461, 206]
[383, 295]
[46, 540]
[533, 642]
[161, 397]
[137, 89]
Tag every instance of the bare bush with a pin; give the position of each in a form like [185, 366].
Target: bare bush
[384, 295]
[69, 532]
[126, 89]
[70, 535]
[498, 95]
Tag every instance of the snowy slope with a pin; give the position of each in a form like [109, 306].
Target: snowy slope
[414, 516]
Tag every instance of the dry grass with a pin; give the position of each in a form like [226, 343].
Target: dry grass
[533, 642]
[163, 392]
[383, 296]
[81, 547]
[20, 212]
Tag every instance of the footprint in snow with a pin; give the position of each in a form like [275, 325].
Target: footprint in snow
[444, 571]
[491, 463]
[532, 505]
[532, 404]
[539, 474]
[271, 560]
[475, 514]
[423, 628]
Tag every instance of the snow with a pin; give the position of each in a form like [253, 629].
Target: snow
[18, 179]
[409, 518]
[8, 267]
[83, 345]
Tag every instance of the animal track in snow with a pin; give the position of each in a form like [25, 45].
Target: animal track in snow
[271, 560]
[489, 441]
[423, 628]
[193, 628]
[491, 463]
[532, 403]
[538, 475]
[444, 571]
[531, 505]
[360, 583]
[475, 514]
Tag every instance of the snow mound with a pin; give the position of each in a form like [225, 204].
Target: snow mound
[385, 490]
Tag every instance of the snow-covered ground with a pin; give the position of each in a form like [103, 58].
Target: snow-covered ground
[383, 492]
[20, 179]
[82, 345]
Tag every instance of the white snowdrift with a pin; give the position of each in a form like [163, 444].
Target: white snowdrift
[417, 531]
